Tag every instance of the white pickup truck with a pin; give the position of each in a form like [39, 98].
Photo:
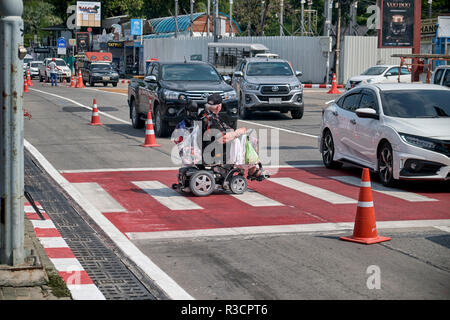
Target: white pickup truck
[44, 72]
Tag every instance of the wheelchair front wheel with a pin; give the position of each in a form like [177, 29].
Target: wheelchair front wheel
[238, 184]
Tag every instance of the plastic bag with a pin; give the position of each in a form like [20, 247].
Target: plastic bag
[251, 157]
[186, 139]
[237, 151]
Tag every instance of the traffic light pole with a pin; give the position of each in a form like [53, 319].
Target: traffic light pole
[11, 134]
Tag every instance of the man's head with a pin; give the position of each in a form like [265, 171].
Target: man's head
[53, 59]
[214, 103]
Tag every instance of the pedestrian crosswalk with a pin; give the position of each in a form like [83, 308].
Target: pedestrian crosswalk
[143, 201]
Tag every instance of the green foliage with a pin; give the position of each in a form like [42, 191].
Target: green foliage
[36, 15]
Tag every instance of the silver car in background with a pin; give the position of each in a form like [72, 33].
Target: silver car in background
[265, 84]
[401, 131]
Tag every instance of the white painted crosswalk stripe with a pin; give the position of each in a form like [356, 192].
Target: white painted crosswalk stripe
[167, 196]
[99, 197]
[53, 242]
[397, 193]
[254, 199]
[67, 264]
[313, 191]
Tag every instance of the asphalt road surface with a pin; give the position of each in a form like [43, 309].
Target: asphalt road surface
[278, 241]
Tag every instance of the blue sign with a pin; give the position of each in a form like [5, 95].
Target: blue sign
[62, 43]
[136, 27]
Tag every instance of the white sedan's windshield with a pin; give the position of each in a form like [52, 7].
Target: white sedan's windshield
[374, 71]
[416, 103]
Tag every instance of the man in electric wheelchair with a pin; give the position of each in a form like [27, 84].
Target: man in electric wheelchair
[214, 155]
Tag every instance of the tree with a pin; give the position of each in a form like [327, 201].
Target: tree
[37, 15]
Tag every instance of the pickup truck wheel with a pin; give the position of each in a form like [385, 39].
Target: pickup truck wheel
[91, 83]
[114, 84]
[243, 112]
[105, 84]
[161, 126]
[40, 78]
[297, 114]
[136, 120]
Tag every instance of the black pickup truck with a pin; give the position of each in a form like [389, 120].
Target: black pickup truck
[166, 84]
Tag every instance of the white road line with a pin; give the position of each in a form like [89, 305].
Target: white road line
[281, 129]
[101, 199]
[53, 242]
[167, 196]
[161, 279]
[107, 91]
[254, 199]
[176, 168]
[295, 228]
[404, 195]
[313, 191]
[81, 105]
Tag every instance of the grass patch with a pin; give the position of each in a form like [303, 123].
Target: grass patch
[58, 286]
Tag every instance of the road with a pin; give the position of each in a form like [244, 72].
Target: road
[279, 241]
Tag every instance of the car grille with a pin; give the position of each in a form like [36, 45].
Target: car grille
[275, 89]
[202, 95]
[266, 98]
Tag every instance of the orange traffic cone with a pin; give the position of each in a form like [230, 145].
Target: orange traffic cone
[25, 85]
[150, 139]
[72, 82]
[29, 78]
[365, 229]
[334, 89]
[95, 119]
[80, 83]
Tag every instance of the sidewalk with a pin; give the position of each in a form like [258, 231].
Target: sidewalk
[37, 279]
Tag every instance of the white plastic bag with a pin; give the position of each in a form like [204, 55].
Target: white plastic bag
[186, 139]
[237, 151]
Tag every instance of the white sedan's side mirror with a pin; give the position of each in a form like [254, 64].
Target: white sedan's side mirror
[367, 113]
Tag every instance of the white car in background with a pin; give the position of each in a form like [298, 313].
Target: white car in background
[380, 74]
[401, 131]
[34, 68]
[63, 72]
[441, 76]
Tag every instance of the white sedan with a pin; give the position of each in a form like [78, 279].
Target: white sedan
[401, 131]
[380, 74]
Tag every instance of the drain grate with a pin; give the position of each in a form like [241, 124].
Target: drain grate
[104, 265]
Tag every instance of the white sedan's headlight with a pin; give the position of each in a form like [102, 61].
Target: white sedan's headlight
[251, 86]
[420, 142]
[230, 95]
[171, 95]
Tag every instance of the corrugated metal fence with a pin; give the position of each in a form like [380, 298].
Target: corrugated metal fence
[360, 53]
[305, 53]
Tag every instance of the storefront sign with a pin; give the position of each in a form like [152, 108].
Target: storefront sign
[136, 27]
[397, 24]
[82, 39]
[115, 44]
[88, 14]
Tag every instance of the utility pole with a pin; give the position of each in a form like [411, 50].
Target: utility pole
[11, 134]
[430, 7]
[215, 16]
[176, 18]
[281, 17]
[192, 21]
[231, 18]
[309, 16]
[353, 9]
[328, 20]
[208, 22]
[262, 17]
[302, 17]
[338, 41]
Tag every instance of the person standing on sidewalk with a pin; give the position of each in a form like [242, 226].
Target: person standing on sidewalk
[53, 76]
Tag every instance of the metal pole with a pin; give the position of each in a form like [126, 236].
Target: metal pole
[338, 42]
[208, 22]
[176, 18]
[430, 8]
[11, 134]
[302, 17]
[329, 11]
[309, 17]
[192, 21]
[215, 22]
[281, 17]
[231, 18]
[262, 17]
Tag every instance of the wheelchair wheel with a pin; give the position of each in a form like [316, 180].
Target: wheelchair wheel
[202, 183]
[238, 184]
